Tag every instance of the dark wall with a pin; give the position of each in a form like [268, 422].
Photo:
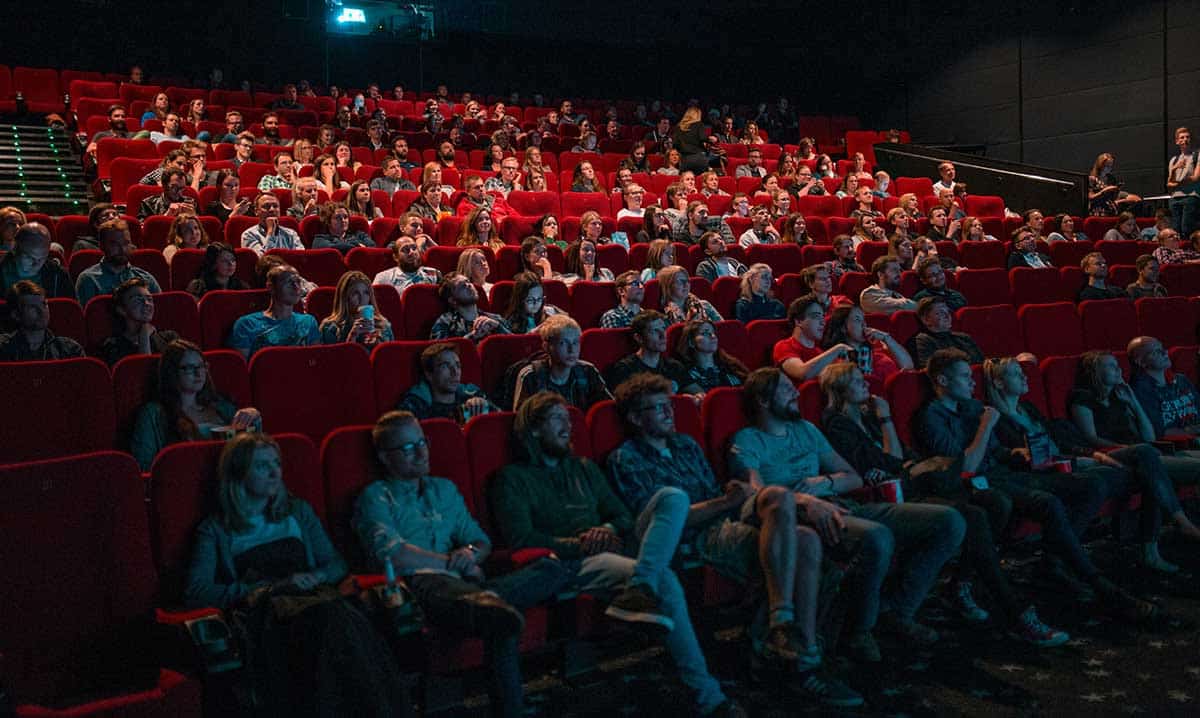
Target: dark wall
[1057, 85]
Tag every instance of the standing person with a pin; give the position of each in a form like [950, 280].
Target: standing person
[1183, 182]
[688, 137]
[1105, 194]
[322, 657]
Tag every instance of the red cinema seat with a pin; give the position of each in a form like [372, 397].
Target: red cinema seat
[342, 372]
[782, 258]
[66, 319]
[819, 206]
[1107, 324]
[219, 310]
[1058, 378]
[369, 260]
[421, 308]
[762, 335]
[499, 352]
[984, 286]
[447, 231]
[402, 200]
[867, 252]
[811, 254]
[396, 367]
[983, 255]
[323, 267]
[906, 392]
[1051, 329]
[40, 87]
[590, 300]
[614, 258]
[994, 328]
[535, 204]
[1069, 254]
[172, 310]
[852, 284]
[83, 385]
[574, 204]
[72, 589]
[1171, 320]
[920, 186]
[984, 205]
[725, 293]
[1184, 361]
[1034, 286]
[603, 347]
[607, 431]
[903, 325]
[722, 416]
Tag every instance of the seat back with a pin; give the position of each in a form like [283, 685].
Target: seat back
[603, 347]
[1171, 320]
[396, 368]
[499, 352]
[68, 408]
[220, 309]
[343, 373]
[722, 416]
[1107, 324]
[995, 329]
[984, 287]
[1034, 286]
[906, 392]
[172, 310]
[1051, 329]
[606, 432]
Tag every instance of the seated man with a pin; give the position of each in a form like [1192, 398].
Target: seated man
[475, 197]
[936, 320]
[243, 148]
[507, 180]
[1095, 268]
[392, 180]
[746, 530]
[694, 222]
[114, 267]
[800, 356]
[408, 270]
[288, 101]
[561, 371]
[304, 199]
[1168, 397]
[270, 131]
[463, 317]
[284, 177]
[717, 262]
[933, 284]
[780, 448]
[412, 225]
[132, 311]
[33, 340]
[269, 233]
[753, 166]
[1025, 252]
[1146, 284]
[116, 128]
[441, 393]
[762, 231]
[30, 260]
[630, 292]
[1170, 251]
[419, 526]
[279, 325]
[650, 334]
[172, 201]
[556, 500]
[884, 296]
[947, 172]
[955, 424]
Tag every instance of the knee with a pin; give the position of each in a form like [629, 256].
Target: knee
[952, 526]
[671, 500]
[975, 519]
[777, 502]
[808, 545]
[878, 544]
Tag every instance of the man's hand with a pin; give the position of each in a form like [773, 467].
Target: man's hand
[462, 560]
[1105, 460]
[827, 518]
[484, 325]
[246, 419]
[1023, 454]
[736, 492]
[599, 539]
[272, 225]
[989, 417]
[475, 406]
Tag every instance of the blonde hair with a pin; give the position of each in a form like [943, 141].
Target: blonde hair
[835, 384]
[993, 372]
[173, 233]
[666, 277]
[466, 259]
[232, 469]
[341, 311]
[750, 277]
[690, 117]
[654, 255]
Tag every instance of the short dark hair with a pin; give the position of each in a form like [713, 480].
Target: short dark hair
[1140, 262]
[799, 306]
[446, 286]
[926, 305]
[169, 174]
[758, 388]
[430, 354]
[643, 320]
[926, 264]
[23, 288]
[943, 359]
[881, 263]
[632, 391]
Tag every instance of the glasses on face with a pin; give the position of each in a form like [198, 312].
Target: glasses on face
[408, 448]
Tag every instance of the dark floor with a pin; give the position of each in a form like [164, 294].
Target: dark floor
[1106, 669]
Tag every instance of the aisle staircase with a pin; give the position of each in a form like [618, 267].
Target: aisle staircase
[39, 172]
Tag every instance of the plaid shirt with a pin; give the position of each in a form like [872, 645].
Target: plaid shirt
[270, 182]
[1174, 256]
[618, 317]
[638, 471]
[453, 324]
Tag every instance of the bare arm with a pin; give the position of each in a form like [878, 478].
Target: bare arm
[1085, 421]
[891, 440]
[800, 370]
[898, 352]
[974, 453]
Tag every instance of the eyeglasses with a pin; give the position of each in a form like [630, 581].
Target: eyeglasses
[408, 448]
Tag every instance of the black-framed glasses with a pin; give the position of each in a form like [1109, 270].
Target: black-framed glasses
[408, 448]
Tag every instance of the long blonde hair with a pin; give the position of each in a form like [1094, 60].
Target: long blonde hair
[690, 117]
[232, 469]
[342, 312]
[835, 383]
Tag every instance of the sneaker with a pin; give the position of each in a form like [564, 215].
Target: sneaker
[637, 604]
[908, 629]
[966, 605]
[491, 615]
[863, 648]
[1030, 629]
[828, 691]
[780, 645]
[1126, 604]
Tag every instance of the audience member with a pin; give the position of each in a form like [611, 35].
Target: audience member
[1166, 396]
[186, 406]
[973, 230]
[649, 330]
[338, 234]
[801, 356]
[172, 201]
[1126, 229]
[1095, 269]
[279, 325]
[579, 263]
[717, 262]
[463, 318]
[284, 177]
[217, 271]
[114, 267]
[561, 371]
[186, 232]
[947, 173]
[941, 227]
[678, 302]
[884, 296]
[440, 393]
[818, 278]
[933, 284]
[756, 299]
[269, 234]
[630, 292]
[355, 317]
[761, 231]
[132, 314]
[527, 307]
[29, 259]
[707, 365]
[479, 229]
[694, 222]
[392, 180]
[326, 175]
[843, 256]
[876, 352]
[1170, 250]
[1025, 252]
[1146, 284]
[359, 202]
[32, 340]
[227, 204]
[937, 319]
[408, 270]
[1066, 230]
[473, 265]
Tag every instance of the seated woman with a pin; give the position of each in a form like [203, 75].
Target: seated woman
[477, 230]
[1126, 229]
[972, 231]
[825, 167]
[1105, 196]
[660, 254]
[533, 259]
[819, 279]
[186, 232]
[757, 299]
[1131, 468]
[678, 302]
[580, 264]
[355, 316]
[216, 271]
[343, 156]
[849, 186]
[527, 307]
[631, 197]
[795, 230]
[876, 352]
[868, 229]
[591, 229]
[859, 427]
[326, 174]
[585, 179]
[671, 163]
[432, 172]
[911, 205]
[133, 328]
[924, 247]
[708, 366]
[656, 224]
[337, 234]
[902, 247]
[431, 204]
[1105, 410]
[901, 223]
[303, 153]
[788, 167]
[473, 265]
[264, 556]
[359, 201]
[186, 407]
[1066, 230]
[227, 203]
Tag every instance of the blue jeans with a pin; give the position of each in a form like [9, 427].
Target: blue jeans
[1144, 471]
[1062, 504]
[926, 536]
[1185, 214]
[657, 530]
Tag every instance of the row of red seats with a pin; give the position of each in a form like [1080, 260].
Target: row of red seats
[367, 385]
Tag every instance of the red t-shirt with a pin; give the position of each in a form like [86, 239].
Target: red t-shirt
[882, 364]
[791, 349]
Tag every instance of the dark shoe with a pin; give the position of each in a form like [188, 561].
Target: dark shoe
[863, 648]
[908, 629]
[1028, 628]
[490, 615]
[828, 691]
[780, 645]
[637, 604]
[728, 709]
[966, 605]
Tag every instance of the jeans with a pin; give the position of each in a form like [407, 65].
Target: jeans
[441, 596]
[657, 530]
[1144, 471]
[926, 536]
[1185, 214]
[1063, 520]
[986, 515]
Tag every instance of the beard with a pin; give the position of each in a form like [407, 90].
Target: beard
[271, 132]
[117, 125]
[555, 449]
[410, 265]
[788, 412]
